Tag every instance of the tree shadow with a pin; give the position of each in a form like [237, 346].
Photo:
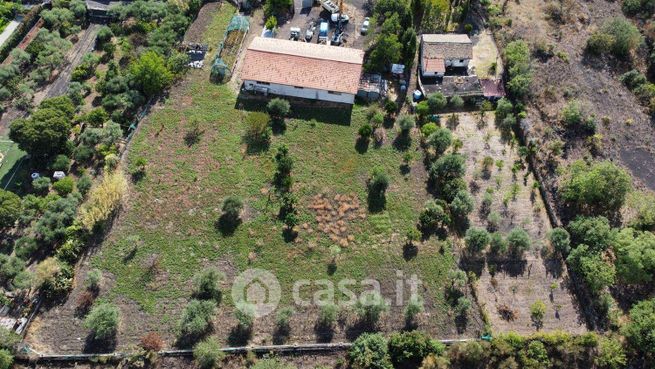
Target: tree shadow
[405, 169]
[226, 225]
[324, 334]
[554, 267]
[402, 142]
[97, 346]
[461, 322]
[278, 126]
[361, 326]
[388, 122]
[472, 263]
[255, 146]
[410, 251]
[331, 268]
[193, 136]
[361, 145]
[281, 334]
[377, 201]
[239, 336]
[289, 234]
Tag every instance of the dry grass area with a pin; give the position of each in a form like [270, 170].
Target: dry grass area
[628, 136]
[486, 59]
[515, 284]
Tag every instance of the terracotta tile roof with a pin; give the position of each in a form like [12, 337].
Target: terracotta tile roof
[303, 64]
[492, 87]
[447, 46]
[434, 65]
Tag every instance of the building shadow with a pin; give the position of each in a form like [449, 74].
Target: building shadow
[303, 109]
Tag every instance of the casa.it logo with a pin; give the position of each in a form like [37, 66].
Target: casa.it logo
[258, 288]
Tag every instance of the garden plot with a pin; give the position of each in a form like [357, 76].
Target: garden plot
[515, 285]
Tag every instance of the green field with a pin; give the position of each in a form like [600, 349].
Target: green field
[170, 218]
[11, 164]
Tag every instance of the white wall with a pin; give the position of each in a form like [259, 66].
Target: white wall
[457, 63]
[307, 93]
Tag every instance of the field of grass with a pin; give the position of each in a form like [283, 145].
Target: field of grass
[169, 221]
[10, 164]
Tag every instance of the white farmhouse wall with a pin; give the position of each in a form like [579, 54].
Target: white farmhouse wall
[306, 93]
[457, 63]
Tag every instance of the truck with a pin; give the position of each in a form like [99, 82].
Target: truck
[330, 6]
[323, 32]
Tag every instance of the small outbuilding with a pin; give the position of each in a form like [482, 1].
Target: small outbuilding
[302, 69]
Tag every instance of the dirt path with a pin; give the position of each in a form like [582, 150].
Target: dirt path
[60, 85]
[81, 48]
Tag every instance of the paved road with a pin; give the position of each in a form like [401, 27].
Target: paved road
[11, 27]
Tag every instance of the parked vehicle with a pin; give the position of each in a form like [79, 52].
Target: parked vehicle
[365, 25]
[309, 34]
[330, 6]
[323, 32]
[335, 18]
[294, 33]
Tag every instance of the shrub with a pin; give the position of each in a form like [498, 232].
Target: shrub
[10, 208]
[6, 359]
[93, 279]
[245, 314]
[561, 240]
[152, 342]
[433, 217]
[103, 321]
[103, 200]
[428, 129]
[476, 239]
[84, 184]
[370, 351]
[406, 123]
[456, 101]
[278, 108]
[10, 266]
[206, 284]
[594, 232]
[597, 188]
[498, 244]
[378, 181]
[232, 207]
[258, 131]
[327, 316]
[407, 349]
[41, 185]
[462, 205]
[64, 186]
[370, 307]
[611, 354]
[365, 131]
[617, 36]
[197, 317]
[518, 241]
[440, 140]
[283, 318]
[595, 272]
[413, 308]
[61, 162]
[572, 114]
[208, 353]
[538, 311]
[437, 102]
[639, 330]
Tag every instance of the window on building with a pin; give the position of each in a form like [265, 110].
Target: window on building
[461, 60]
[262, 83]
[298, 87]
[334, 93]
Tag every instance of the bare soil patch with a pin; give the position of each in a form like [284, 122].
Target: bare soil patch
[510, 285]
